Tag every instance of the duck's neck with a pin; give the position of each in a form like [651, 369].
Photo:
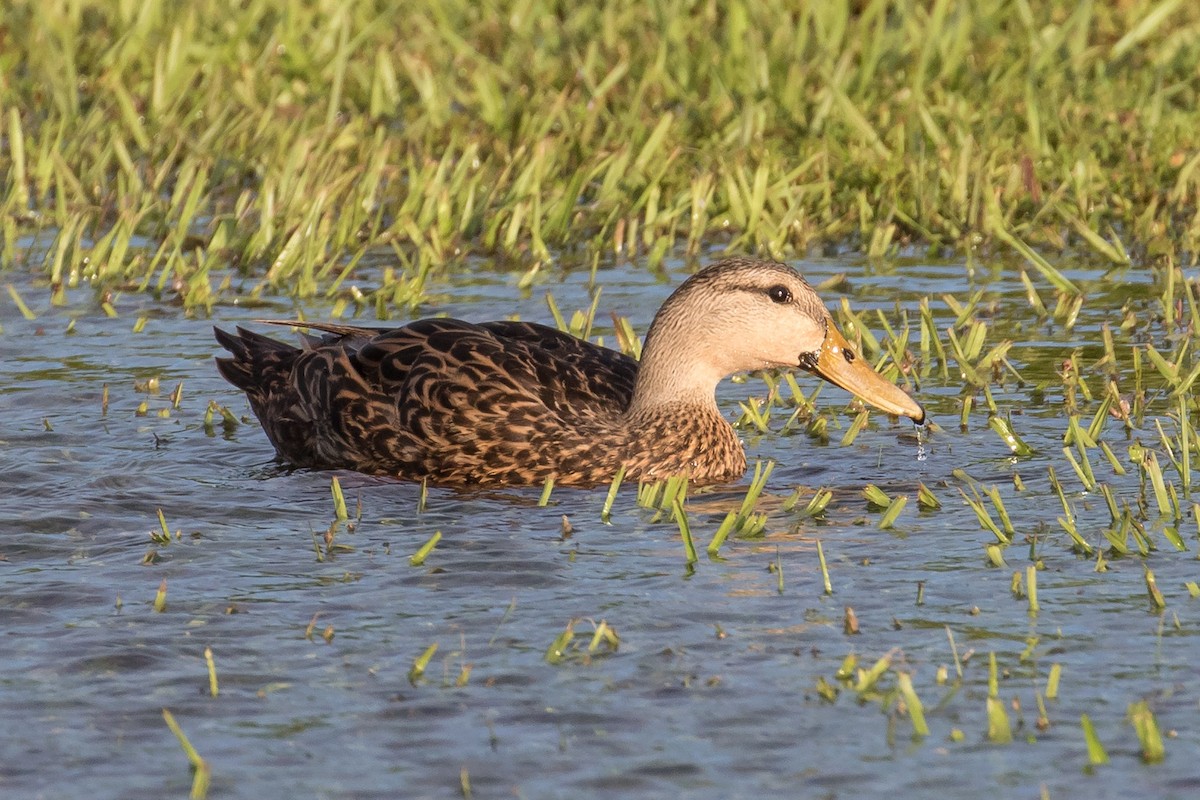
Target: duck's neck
[675, 419]
[677, 370]
[673, 380]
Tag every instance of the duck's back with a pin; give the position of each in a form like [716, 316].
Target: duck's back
[453, 401]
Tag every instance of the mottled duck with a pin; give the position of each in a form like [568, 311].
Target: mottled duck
[510, 403]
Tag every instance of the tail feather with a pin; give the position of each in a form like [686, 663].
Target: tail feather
[256, 359]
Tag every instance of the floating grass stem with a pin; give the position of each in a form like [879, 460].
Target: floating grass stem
[418, 558]
[826, 690]
[1171, 533]
[611, 497]
[1082, 468]
[420, 663]
[744, 522]
[339, 500]
[661, 495]
[1115, 463]
[867, 678]
[723, 531]
[1156, 596]
[1031, 588]
[685, 531]
[845, 672]
[163, 535]
[993, 676]
[1100, 419]
[1148, 734]
[954, 651]
[557, 651]
[818, 503]
[828, 585]
[888, 519]
[964, 415]
[875, 496]
[1186, 436]
[1004, 429]
[1052, 681]
[926, 499]
[1067, 521]
[1096, 752]
[213, 689]
[604, 635]
[649, 494]
[916, 711]
[993, 494]
[985, 519]
[16, 298]
[1154, 472]
[547, 488]
[757, 413]
[1080, 544]
[203, 775]
[860, 421]
[762, 471]
[1114, 513]
[791, 500]
[999, 727]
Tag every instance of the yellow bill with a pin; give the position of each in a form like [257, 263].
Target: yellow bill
[839, 363]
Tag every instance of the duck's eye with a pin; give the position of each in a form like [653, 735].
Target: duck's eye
[780, 294]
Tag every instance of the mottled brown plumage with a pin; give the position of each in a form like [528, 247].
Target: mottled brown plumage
[501, 403]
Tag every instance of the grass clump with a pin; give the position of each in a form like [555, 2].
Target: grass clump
[153, 147]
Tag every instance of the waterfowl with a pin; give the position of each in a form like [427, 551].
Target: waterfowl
[510, 403]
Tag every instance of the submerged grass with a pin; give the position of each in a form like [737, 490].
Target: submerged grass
[202, 771]
[153, 147]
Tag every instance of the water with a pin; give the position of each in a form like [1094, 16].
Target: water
[712, 692]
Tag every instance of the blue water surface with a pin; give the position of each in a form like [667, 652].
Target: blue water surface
[713, 689]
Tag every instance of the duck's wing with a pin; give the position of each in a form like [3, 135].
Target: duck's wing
[603, 376]
[476, 404]
[520, 361]
[439, 397]
[607, 376]
[600, 376]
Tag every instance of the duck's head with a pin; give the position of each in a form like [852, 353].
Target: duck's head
[740, 315]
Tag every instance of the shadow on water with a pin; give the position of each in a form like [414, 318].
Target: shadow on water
[722, 685]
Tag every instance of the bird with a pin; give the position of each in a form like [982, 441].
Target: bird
[509, 403]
